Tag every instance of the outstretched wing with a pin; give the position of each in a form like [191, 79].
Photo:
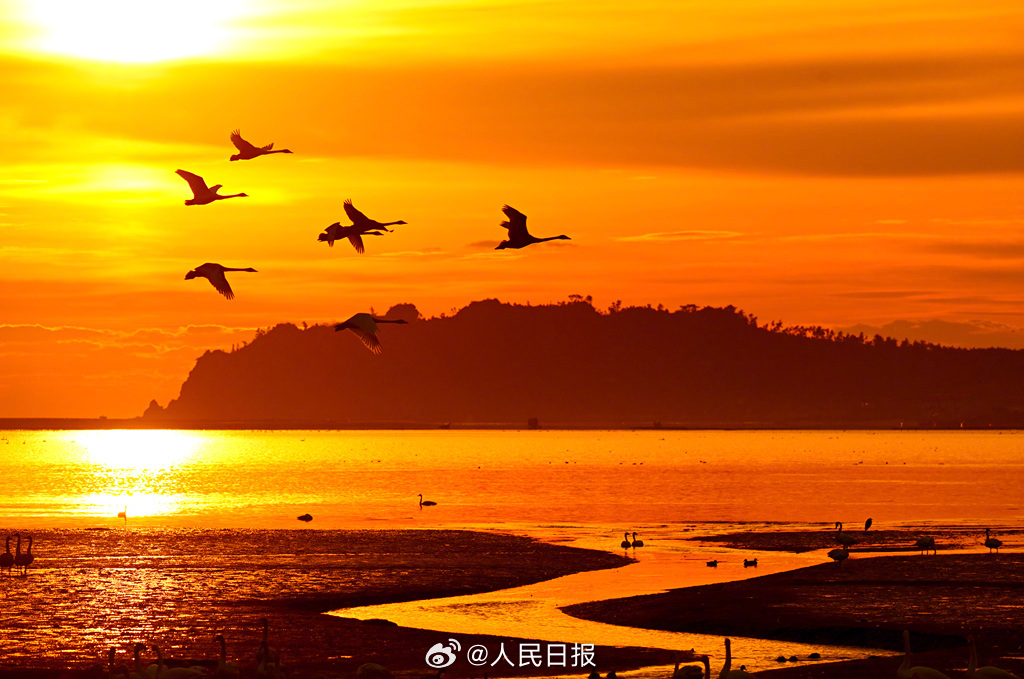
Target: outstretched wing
[357, 242]
[220, 281]
[195, 182]
[355, 215]
[242, 145]
[371, 341]
[516, 223]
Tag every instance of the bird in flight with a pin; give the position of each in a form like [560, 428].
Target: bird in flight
[336, 232]
[361, 226]
[201, 193]
[215, 274]
[518, 236]
[247, 151]
[365, 328]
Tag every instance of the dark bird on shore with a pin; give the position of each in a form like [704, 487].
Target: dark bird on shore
[867, 524]
[626, 544]
[247, 151]
[215, 274]
[355, 236]
[728, 673]
[518, 236]
[612, 675]
[986, 672]
[991, 542]
[201, 193]
[926, 543]
[918, 672]
[372, 670]
[842, 538]
[839, 555]
[7, 559]
[306, 517]
[365, 328]
[637, 543]
[713, 564]
[594, 675]
[747, 563]
[426, 503]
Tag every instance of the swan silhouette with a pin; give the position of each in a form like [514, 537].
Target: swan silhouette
[7, 559]
[225, 667]
[27, 558]
[336, 232]
[728, 673]
[365, 328]
[626, 544]
[839, 555]
[215, 274]
[265, 652]
[842, 538]
[986, 672]
[637, 543]
[361, 226]
[991, 542]
[918, 672]
[867, 524]
[712, 564]
[518, 236]
[426, 503]
[163, 672]
[201, 193]
[247, 151]
[689, 671]
[926, 543]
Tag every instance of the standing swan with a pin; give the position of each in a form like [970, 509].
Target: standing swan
[247, 151]
[986, 672]
[992, 543]
[518, 236]
[926, 543]
[201, 193]
[7, 559]
[918, 672]
[727, 673]
[27, 558]
[426, 503]
[842, 538]
[265, 652]
[839, 555]
[365, 328]
[215, 274]
[225, 667]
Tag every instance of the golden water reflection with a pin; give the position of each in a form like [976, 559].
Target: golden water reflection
[129, 470]
[138, 449]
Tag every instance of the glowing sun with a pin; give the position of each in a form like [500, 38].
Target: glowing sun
[132, 31]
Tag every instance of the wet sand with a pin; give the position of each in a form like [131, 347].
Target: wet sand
[90, 590]
[867, 601]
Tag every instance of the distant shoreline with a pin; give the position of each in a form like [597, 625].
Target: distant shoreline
[80, 423]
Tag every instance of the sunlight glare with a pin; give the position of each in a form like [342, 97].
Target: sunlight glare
[138, 449]
[132, 31]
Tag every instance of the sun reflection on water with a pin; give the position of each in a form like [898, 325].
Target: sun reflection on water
[131, 469]
[138, 449]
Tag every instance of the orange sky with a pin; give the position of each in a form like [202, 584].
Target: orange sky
[818, 163]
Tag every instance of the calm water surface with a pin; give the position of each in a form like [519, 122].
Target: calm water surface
[580, 488]
[266, 479]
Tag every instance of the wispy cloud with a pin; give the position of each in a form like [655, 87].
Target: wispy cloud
[661, 236]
